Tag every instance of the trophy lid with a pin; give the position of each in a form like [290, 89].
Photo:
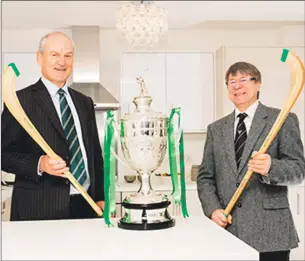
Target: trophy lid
[143, 104]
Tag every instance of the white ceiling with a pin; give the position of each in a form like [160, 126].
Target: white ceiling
[182, 14]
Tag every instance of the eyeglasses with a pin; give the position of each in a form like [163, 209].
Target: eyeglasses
[243, 81]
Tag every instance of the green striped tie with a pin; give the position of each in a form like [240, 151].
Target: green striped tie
[77, 166]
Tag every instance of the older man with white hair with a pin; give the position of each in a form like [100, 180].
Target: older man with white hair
[66, 120]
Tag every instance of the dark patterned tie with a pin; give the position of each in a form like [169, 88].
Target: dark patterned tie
[240, 137]
[77, 166]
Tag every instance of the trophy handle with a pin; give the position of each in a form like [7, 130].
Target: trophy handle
[119, 159]
[117, 131]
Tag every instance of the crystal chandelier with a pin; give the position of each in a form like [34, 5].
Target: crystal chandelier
[141, 24]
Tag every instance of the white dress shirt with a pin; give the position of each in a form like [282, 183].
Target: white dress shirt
[248, 120]
[52, 89]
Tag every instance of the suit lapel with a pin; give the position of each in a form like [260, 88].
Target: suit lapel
[228, 132]
[257, 126]
[81, 111]
[43, 98]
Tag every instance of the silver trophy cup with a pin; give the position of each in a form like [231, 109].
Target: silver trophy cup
[143, 139]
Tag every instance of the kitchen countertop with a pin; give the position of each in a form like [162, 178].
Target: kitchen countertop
[195, 238]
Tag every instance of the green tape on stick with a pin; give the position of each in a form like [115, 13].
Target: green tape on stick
[14, 67]
[284, 55]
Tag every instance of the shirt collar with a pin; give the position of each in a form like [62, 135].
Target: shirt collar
[52, 88]
[250, 111]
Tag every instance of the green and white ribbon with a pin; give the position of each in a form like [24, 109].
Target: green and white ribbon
[178, 192]
[109, 169]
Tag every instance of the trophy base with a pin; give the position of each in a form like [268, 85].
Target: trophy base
[146, 226]
[146, 216]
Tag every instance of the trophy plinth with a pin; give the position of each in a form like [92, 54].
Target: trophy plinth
[143, 139]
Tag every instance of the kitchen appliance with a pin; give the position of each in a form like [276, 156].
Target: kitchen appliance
[86, 67]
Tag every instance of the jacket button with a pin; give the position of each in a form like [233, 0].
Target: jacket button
[239, 205]
[237, 184]
[67, 182]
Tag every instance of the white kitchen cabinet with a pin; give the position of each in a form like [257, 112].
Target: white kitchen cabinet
[123, 196]
[171, 207]
[184, 80]
[118, 200]
[296, 201]
[149, 66]
[193, 205]
[190, 85]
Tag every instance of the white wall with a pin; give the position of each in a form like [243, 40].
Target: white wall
[16, 40]
[176, 40]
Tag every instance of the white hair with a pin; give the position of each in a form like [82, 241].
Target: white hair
[45, 37]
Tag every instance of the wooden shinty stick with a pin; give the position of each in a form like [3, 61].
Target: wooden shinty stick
[11, 101]
[297, 83]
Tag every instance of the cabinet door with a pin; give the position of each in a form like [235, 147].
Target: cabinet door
[118, 201]
[171, 208]
[190, 85]
[149, 66]
[296, 200]
[193, 204]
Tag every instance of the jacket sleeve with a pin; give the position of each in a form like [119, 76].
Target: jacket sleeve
[14, 158]
[206, 184]
[289, 167]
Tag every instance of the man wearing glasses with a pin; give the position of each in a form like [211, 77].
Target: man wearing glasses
[262, 217]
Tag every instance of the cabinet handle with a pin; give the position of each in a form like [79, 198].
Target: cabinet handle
[298, 203]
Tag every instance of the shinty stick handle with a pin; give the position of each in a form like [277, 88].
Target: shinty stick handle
[297, 84]
[14, 106]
